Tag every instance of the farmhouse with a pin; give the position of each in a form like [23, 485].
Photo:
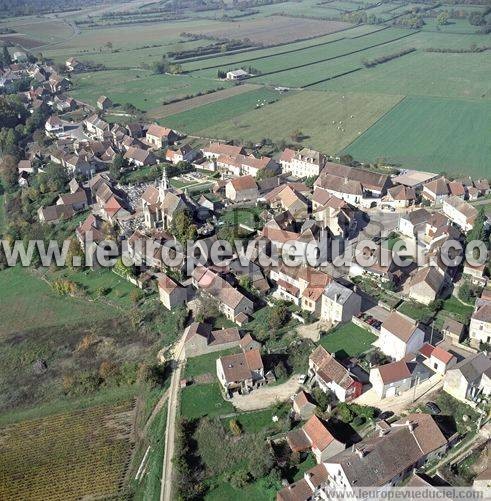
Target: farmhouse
[470, 379]
[303, 407]
[330, 375]
[303, 163]
[237, 75]
[215, 150]
[54, 125]
[460, 212]
[352, 184]
[96, 126]
[425, 284]
[171, 293]
[241, 189]
[104, 103]
[73, 64]
[286, 198]
[413, 440]
[399, 336]
[200, 339]
[231, 302]
[339, 304]
[159, 137]
[332, 212]
[139, 157]
[241, 373]
[399, 197]
[480, 325]
[437, 359]
[314, 435]
[393, 379]
[436, 191]
[183, 154]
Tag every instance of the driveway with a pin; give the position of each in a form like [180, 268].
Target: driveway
[266, 396]
[402, 402]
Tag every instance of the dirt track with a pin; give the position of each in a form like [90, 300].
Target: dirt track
[194, 102]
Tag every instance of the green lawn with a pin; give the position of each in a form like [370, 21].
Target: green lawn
[260, 490]
[308, 463]
[204, 399]
[279, 120]
[2, 214]
[213, 114]
[204, 364]
[27, 302]
[93, 281]
[248, 216]
[347, 340]
[442, 143]
[253, 422]
[142, 88]
[416, 311]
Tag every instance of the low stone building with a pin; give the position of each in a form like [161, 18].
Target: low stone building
[200, 339]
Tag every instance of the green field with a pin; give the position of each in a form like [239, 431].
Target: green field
[431, 132]
[142, 88]
[347, 340]
[204, 400]
[27, 302]
[212, 114]
[422, 73]
[312, 113]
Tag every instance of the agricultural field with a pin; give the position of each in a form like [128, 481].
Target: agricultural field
[274, 30]
[231, 108]
[279, 120]
[141, 88]
[422, 74]
[446, 134]
[196, 102]
[67, 456]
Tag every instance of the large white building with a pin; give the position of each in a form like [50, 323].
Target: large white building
[400, 336]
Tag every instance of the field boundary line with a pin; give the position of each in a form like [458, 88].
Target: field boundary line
[266, 47]
[258, 58]
[333, 57]
[290, 51]
[374, 123]
[332, 78]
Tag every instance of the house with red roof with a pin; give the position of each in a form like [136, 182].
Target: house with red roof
[332, 376]
[437, 359]
[315, 436]
[391, 380]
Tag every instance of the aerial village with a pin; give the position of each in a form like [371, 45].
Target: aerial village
[297, 196]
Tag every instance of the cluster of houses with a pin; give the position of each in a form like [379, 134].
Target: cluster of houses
[304, 199]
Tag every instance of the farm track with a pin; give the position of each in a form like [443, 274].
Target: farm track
[304, 65]
[290, 51]
[196, 102]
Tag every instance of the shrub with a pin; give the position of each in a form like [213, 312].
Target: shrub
[235, 427]
[358, 421]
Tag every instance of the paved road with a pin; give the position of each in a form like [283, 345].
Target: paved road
[406, 400]
[170, 430]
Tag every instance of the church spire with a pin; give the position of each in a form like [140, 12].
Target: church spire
[164, 184]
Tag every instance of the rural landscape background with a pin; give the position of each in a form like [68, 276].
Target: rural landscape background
[427, 108]
[389, 82]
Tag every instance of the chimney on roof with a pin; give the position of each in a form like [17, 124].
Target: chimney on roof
[410, 425]
[359, 452]
[336, 297]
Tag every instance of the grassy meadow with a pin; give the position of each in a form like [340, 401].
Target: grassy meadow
[446, 134]
[313, 113]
